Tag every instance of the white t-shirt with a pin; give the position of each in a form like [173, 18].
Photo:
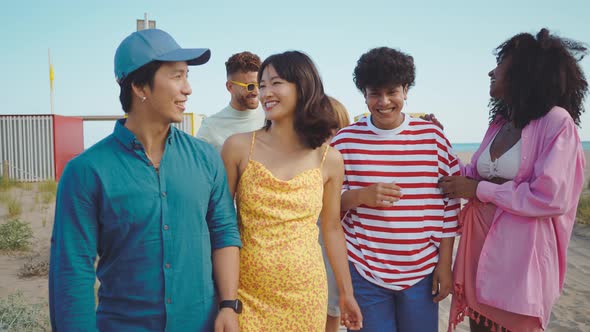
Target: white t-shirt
[229, 121]
[396, 247]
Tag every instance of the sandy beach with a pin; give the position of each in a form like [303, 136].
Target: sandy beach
[571, 313]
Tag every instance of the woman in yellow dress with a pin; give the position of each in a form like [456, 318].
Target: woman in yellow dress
[283, 177]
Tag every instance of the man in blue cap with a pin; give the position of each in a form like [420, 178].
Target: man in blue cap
[152, 202]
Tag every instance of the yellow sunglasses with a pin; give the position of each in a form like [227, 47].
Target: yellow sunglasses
[248, 86]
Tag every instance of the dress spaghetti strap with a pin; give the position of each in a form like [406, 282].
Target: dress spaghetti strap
[252, 145]
[325, 154]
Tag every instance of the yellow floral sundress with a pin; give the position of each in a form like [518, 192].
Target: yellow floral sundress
[282, 276]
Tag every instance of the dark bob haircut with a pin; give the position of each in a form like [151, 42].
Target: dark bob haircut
[314, 116]
[382, 67]
[140, 77]
[542, 72]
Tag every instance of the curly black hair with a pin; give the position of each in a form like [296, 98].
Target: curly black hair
[382, 67]
[314, 117]
[543, 72]
[244, 61]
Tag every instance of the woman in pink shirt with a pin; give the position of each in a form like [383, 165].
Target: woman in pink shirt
[523, 186]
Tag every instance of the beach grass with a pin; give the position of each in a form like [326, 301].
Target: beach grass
[47, 186]
[24, 185]
[6, 184]
[583, 213]
[15, 207]
[47, 197]
[4, 197]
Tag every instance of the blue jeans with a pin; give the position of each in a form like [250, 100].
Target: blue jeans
[385, 310]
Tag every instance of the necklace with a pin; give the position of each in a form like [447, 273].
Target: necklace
[155, 164]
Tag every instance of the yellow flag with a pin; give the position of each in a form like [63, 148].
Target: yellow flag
[51, 75]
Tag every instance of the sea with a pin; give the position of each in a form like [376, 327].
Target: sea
[471, 147]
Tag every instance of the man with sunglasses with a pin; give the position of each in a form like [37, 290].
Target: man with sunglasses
[243, 113]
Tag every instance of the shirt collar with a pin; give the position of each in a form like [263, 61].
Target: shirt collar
[388, 132]
[242, 114]
[128, 139]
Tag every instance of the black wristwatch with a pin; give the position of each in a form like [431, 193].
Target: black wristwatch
[234, 304]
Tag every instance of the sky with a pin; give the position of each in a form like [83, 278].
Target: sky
[452, 43]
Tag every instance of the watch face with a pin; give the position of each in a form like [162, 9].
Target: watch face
[238, 308]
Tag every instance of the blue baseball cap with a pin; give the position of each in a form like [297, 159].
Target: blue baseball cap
[145, 46]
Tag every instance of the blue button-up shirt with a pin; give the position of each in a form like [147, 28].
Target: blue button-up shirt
[154, 231]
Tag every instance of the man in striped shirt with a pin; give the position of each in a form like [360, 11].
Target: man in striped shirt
[399, 227]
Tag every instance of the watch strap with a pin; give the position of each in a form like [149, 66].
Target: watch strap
[236, 305]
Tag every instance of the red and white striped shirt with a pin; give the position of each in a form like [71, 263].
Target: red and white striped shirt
[396, 247]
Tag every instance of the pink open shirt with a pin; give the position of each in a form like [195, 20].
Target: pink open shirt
[523, 260]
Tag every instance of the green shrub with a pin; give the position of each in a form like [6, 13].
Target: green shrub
[17, 315]
[15, 235]
[35, 266]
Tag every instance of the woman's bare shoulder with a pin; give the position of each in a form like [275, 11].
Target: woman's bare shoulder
[333, 157]
[238, 141]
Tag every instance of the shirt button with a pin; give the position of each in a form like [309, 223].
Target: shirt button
[167, 265]
[163, 194]
[166, 227]
[168, 300]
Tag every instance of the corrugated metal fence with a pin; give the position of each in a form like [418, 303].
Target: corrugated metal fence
[26, 142]
[187, 124]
